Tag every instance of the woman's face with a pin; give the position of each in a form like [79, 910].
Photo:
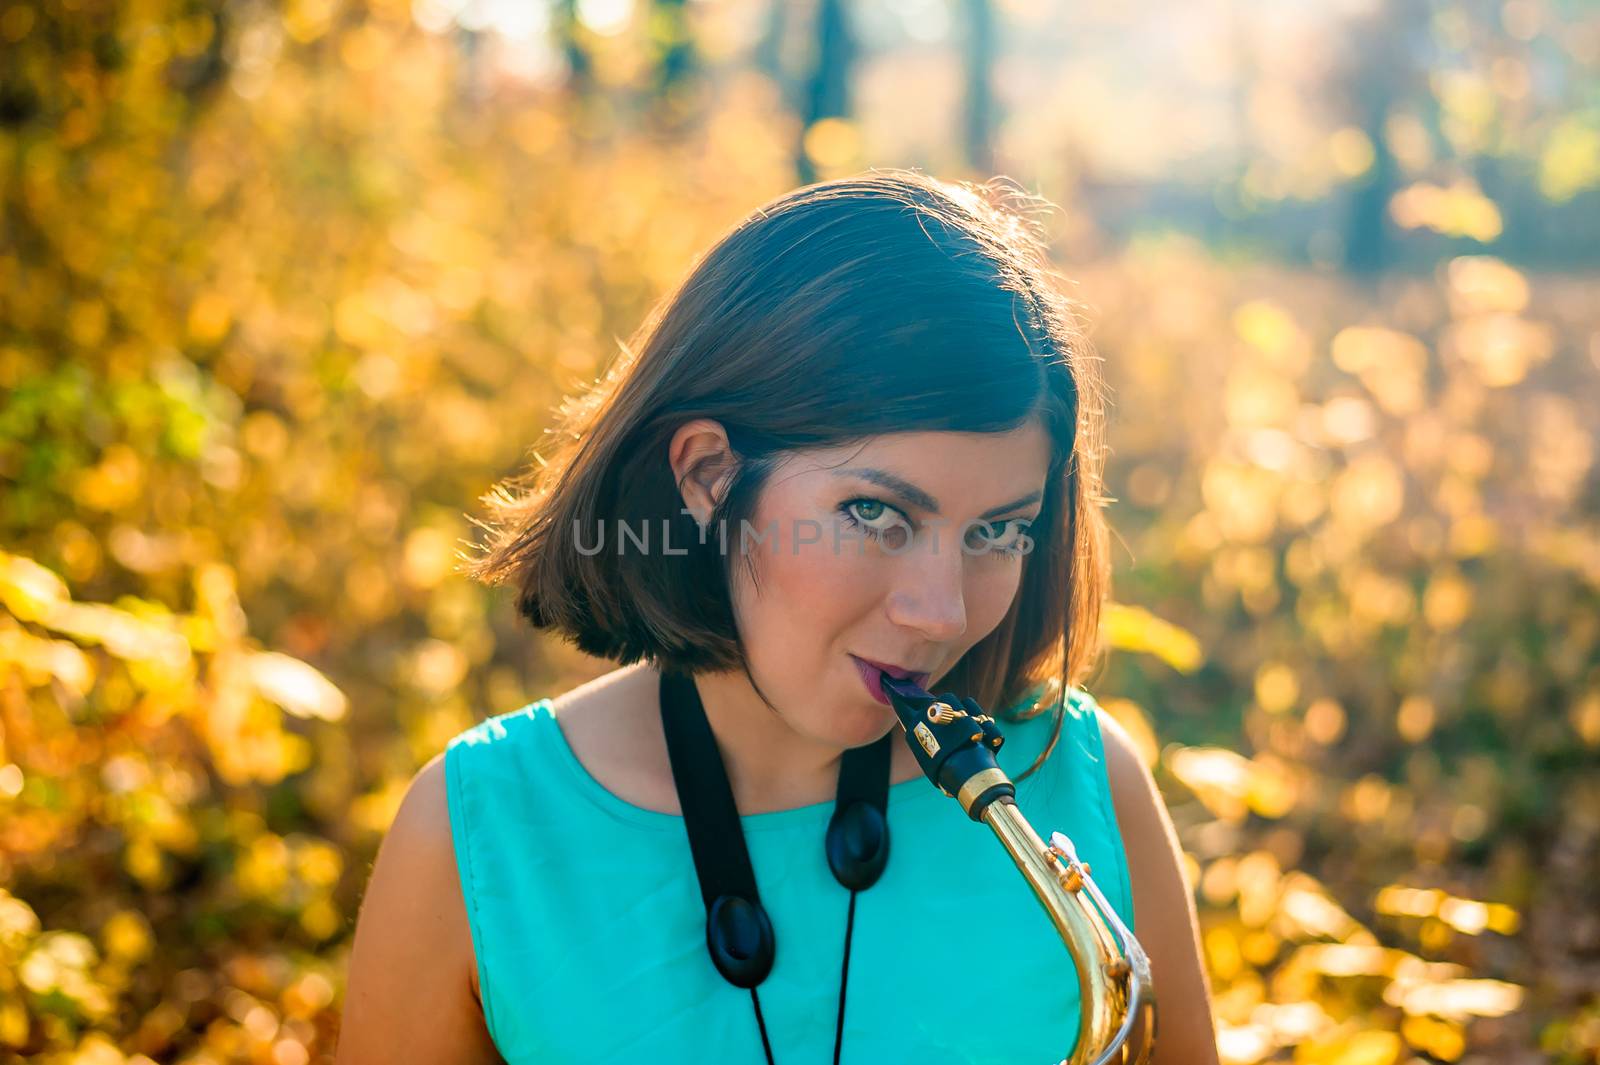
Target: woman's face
[880, 551]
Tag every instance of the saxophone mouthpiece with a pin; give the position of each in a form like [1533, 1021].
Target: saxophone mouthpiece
[954, 742]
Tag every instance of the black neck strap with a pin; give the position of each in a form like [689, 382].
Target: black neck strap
[739, 934]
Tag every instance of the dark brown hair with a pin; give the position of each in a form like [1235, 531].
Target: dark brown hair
[886, 302]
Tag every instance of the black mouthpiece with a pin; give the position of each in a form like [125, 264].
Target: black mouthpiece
[954, 741]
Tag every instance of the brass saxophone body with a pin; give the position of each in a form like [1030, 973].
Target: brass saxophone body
[955, 743]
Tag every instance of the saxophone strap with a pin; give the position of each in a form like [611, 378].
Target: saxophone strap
[739, 934]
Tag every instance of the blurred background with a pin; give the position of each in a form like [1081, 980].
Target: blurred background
[286, 287]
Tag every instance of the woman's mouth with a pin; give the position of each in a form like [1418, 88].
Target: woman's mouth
[872, 674]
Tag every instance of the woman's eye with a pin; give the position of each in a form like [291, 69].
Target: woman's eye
[1005, 536]
[873, 517]
[869, 510]
[874, 513]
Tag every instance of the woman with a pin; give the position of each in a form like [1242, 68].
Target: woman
[862, 435]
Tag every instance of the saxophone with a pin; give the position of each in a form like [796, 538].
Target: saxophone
[955, 743]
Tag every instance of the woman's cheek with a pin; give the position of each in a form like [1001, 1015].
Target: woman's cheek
[820, 574]
[992, 590]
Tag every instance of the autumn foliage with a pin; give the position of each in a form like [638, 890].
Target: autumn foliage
[284, 291]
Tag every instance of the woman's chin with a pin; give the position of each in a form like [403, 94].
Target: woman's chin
[869, 726]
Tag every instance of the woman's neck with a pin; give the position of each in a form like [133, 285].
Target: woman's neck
[770, 766]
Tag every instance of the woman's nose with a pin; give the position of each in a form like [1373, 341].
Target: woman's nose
[928, 594]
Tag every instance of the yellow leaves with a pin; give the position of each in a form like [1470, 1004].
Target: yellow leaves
[96, 1048]
[126, 936]
[1351, 152]
[1455, 999]
[148, 554]
[1392, 365]
[306, 20]
[1257, 881]
[1271, 1025]
[1309, 910]
[113, 484]
[1272, 332]
[244, 685]
[1447, 600]
[145, 862]
[14, 1023]
[296, 872]
[1361, 1048]
[1231, 785]
[151, 640]
[1132, 628]
[1368, 493]
[1348, 420]
[1255, 396]
[438, 667]
[262, 870]
[1415, 719]
[62, 963]
[1223, 958]
[40, 660]
[1242, 500]
[365, 47]
[1500, 348]
[1220, 778]
[299, 688]
[1377, 598]
[1324, 721]
[18, 922]
[1367, 800]
[86, 323]
[1585, 717]
[833, 144]
[308, 995]
[1478, 284]
[1348, 959]
[1277, 687]
[321, 918]
[32, 593]
[1473, 534]
[1441, 1039]
[1468, 916]
[209, 317]
[1409, 141]
[249, 744]
[191, 35]
[318, 863]
[1562, 450]
[1570, 160]
[429, 557]
[1459, 209]
[375, 811]
[358, 322]
[264, 435]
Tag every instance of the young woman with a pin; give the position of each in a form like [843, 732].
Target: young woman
[862, 435]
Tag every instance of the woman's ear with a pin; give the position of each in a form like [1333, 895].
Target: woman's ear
[702, 462]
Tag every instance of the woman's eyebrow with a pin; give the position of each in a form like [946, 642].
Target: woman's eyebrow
[917, 497]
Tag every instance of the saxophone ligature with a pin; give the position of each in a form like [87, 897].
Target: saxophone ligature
[955, 744]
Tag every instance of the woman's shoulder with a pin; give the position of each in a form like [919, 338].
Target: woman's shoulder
[412, 910]
[608, 727]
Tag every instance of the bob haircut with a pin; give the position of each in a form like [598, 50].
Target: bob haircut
[886, 302]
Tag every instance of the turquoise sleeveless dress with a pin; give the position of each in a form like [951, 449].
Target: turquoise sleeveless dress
[589, 929]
